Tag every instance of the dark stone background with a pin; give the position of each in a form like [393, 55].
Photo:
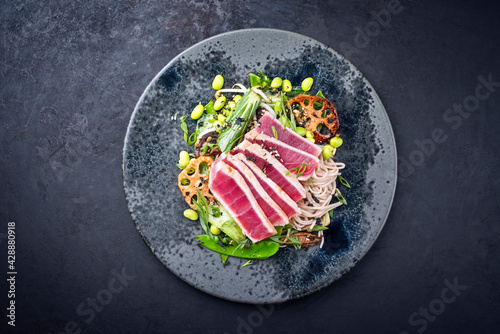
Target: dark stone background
[71, 73]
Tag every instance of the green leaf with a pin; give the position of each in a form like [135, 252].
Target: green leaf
[319, 228]
[209, 108]
[320, 94]
[184, 128]
[274, 132]
[254, 80]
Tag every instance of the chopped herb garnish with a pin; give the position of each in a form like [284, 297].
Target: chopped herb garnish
[317, 228]
[340, 197]
[344, 181]
[184, 128]
[202, 207]
[249, 262]
[275, 133]
[310, 183]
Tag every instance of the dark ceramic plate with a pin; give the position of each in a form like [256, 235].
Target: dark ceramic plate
[154, 139]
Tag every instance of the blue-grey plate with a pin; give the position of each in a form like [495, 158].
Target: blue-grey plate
[154, 140]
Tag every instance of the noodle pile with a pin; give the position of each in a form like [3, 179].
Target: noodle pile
[320, 189]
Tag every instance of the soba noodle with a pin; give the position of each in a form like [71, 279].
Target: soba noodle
[320, 189]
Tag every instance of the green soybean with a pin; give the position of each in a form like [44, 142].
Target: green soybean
[327, 152]
[287, 85]
[215, 230]
[260, 250]
[276, 83]
[184, 158]
[301, 131]
[191, 214]
[197, 111]
[219, 103]
[336, 141]
[309, 134]
[236, 98]
[218, 82]
[307, 84]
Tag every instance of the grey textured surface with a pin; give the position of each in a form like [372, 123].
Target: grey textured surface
[154, 140]
[71, 75]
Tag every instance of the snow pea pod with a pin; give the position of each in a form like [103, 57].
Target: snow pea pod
[259, 250]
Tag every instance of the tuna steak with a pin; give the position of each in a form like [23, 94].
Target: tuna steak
[272, 210]
[293, 159]
[265, 125]
[231, 190]
[273, 168]
[278, 195]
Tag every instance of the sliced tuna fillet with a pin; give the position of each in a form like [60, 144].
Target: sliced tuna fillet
[267, 121]
[278, 195]
[231, 190]
[273, 168]
[272, 210]
[289, 156]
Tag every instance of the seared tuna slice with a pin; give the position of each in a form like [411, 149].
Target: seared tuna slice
[231, 190]
[278, 195]
[272, 210]
[295, 160]
[265, 125]
[272, 168]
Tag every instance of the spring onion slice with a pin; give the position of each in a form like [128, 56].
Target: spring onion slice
[238, 121]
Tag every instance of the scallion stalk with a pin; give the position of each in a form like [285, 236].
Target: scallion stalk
[238, 121]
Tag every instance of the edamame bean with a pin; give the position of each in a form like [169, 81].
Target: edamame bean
[236, 98]
[276, 83]
[191, 214]
[215, 230]
[327, 152]
[184, 159]
[218, 82]
[221, 118]
[309, 134]
[301, 131]
[197, 111]
[287, 85]
[311, 140]
[219, 103]
[336, 141]
[307, 83]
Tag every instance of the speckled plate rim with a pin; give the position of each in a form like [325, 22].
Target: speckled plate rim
[373, 93]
